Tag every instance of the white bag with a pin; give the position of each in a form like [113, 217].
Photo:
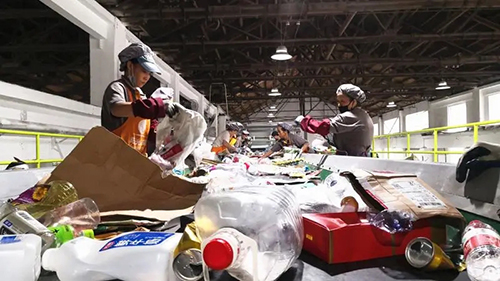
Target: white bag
[177, 137]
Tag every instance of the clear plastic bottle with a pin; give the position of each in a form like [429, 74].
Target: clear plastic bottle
[481, 251]
[81, 215]
[255, 233]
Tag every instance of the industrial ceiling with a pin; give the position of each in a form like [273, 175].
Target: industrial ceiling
[395, 50]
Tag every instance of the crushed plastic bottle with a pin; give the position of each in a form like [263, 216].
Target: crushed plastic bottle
[255, 233]
[59, 193]
[481, 245]
[393, 221]
[132, 256]
[20, 257]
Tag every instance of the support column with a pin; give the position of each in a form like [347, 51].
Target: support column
[104, 64]
[474, 108]
[302, 108]
[402, 120]
[380, 125]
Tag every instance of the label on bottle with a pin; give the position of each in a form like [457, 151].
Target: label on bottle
[479, 237]
[137, 239]
[9, 239]
[6, 227]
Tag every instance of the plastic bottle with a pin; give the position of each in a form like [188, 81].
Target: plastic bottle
[132, 256]
[20, 257]
[255, 233]
[59, 194]
[65, 233]
[81, 215]
[481, 251]
[14, 221]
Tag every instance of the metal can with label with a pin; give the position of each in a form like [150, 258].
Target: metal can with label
[424, 254]
[188, 265]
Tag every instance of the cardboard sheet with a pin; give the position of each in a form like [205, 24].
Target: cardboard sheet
[103, 167]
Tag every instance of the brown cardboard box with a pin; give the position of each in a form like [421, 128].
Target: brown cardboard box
[116, 177]
[388, 190]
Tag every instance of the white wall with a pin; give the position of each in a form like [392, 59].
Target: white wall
[476, 102]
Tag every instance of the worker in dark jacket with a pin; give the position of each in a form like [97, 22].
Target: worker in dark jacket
[287, 139]
[351, 130]
[125, 109]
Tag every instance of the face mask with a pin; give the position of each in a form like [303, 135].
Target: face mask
[344, 108]
[131, 77]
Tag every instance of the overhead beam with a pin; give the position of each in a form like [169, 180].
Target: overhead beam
[302, 9]
[34, 48]
[417, 61]
[80, 14]
[463, 74]
[329, 95]
[393, 88]
[495, 35]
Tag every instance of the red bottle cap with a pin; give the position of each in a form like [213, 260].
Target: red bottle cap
[218, 254]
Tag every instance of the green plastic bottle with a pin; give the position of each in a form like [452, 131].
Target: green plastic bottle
[65, 233]
[60, 193]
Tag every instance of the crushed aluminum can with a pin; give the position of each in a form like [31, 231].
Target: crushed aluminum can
[188, 265]
[424, 254]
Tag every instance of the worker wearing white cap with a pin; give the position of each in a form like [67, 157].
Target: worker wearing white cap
[287, 139]
[125, 109]
[351, 130]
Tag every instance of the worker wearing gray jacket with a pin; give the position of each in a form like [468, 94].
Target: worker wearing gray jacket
[351, 130]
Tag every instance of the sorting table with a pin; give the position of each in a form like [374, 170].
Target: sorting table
[309, 268]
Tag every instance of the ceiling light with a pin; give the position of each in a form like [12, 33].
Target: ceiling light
[281, 54]
[270, 115]
[442, 86]
[391, 104]
[274, 93]
[270, 121]
[272, 107]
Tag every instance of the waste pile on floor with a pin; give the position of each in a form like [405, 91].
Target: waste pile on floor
[250, 218]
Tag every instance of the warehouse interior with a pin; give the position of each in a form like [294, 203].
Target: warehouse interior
[250, 140]
[423, 64]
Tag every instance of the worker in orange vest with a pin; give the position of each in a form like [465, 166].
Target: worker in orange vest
[226, 140]
[125, 109]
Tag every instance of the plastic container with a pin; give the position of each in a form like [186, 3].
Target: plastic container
[132, 256]
[20, 257]
[255, 233]
[81, 215]
[14, 221]
[60, 193]
[481, 251]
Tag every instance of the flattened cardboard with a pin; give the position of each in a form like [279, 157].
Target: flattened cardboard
[378, 191]
[103, 167]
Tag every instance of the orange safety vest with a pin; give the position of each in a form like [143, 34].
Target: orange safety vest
[135, 130]
[219, 149]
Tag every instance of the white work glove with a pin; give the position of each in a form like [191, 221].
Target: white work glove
[480, 157]
[165, 93]
[299, 119]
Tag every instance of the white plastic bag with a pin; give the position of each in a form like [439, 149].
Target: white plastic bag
[177, 137]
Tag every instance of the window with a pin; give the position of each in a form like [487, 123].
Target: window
[493, 103]
[391, 126]
[457, 115]
[375, 129]
[417, 121]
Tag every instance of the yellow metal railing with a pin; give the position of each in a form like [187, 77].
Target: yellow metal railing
[435, 152]
[38, 161]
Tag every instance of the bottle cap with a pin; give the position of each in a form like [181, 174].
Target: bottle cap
[218, 254]
[89, 233]
[63, 233]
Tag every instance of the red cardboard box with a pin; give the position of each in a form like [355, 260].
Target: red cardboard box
[348, 237]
